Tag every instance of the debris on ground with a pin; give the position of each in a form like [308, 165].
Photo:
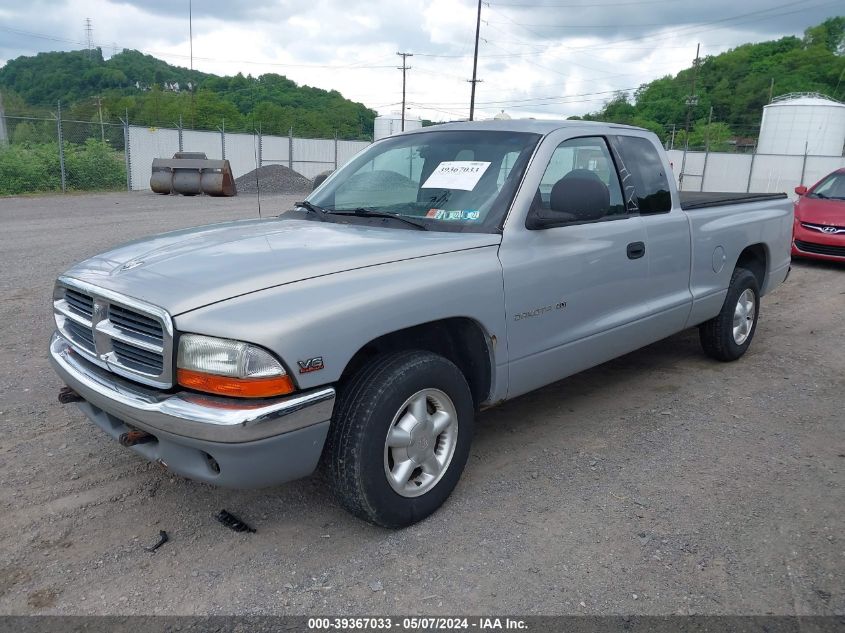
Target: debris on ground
[274, 179]
[232, 522]
[162, 539]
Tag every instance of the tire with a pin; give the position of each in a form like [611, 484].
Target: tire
[727, 336]
[377, 403]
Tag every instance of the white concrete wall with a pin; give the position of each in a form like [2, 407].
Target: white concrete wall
[724, 172]
[768, 172]
[310, 156]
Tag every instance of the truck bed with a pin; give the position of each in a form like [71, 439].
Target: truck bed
[691, 200]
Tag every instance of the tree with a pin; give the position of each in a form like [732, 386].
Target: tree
[830, 34]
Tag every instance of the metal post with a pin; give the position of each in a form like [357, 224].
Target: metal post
[706, 150]
[181, 144]
[102, 127]
[260, 148]
[335, 150]
[4, 135]
[61, 146]
[290, 148]
[804, 162]
[223, 139]
[751, 169]
[127, 153]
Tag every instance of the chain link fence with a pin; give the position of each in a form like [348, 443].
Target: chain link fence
[53, 153]
[44, 154]
[757, 172]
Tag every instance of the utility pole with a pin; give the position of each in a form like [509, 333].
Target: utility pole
[475, 79]
[672, 142]
[404, 68]
[692, 101]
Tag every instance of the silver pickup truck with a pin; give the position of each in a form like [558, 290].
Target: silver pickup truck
[439, 272]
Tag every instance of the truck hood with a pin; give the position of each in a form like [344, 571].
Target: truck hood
[191, 268]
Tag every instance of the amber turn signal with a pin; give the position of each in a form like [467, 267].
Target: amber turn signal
[235, 387]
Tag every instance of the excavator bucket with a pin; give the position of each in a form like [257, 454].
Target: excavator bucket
[191, 173]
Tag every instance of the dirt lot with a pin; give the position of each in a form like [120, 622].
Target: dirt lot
[659, 483]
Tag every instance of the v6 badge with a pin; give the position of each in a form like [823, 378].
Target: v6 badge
[312, 364]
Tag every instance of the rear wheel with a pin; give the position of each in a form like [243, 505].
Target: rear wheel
[400, 437]
[727, 336]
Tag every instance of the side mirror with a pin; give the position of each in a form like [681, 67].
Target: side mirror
[801, 190]
[320, 178]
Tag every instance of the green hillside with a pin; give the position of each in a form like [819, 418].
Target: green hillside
[736, 84]
[157, 94]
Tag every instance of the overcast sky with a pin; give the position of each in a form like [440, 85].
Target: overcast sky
[543, 58]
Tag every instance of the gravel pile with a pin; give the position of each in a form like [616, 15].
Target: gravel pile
[274, 179]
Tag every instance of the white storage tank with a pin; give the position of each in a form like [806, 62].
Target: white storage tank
[389, 124]
[795, 123]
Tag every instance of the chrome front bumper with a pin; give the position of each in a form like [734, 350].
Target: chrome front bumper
[188, 414]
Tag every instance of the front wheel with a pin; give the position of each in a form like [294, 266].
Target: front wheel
[400, 438]
[727, 336]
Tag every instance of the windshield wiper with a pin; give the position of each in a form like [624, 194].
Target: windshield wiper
[373, 213]
[320, 212]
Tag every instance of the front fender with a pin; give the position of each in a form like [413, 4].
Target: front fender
[335, 315]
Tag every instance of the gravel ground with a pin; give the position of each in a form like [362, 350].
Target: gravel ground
[659, 483]
[274, 179]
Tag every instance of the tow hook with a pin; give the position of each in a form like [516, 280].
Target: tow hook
[68, 395]
[131, 438]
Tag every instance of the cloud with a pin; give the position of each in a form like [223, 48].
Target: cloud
[547, 58]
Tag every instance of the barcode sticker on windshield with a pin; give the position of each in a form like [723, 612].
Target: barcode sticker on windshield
[456, 174]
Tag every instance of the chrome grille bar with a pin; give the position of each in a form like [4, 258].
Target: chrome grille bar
[128, 337]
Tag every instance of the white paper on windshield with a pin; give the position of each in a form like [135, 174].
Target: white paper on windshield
[456, 174]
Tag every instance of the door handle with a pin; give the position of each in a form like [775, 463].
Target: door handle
[636, 250]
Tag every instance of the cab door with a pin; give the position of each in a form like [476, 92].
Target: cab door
[575, 265]
[645, 185]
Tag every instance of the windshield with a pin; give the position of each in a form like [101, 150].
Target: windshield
[831, 187]
[446, 180]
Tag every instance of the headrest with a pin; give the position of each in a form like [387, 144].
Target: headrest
[583, 196]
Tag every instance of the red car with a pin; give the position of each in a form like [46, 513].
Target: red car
[819, 229]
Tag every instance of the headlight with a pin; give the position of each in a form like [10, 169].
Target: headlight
[229, 368]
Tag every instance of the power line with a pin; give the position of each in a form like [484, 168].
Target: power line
[685, 30]
[580, 6]
[526, 100]
[163, 54]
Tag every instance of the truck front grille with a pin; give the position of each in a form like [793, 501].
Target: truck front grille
[131, 321]
[126, 336]
[135, 357]
[81, 335]
[83, 304]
